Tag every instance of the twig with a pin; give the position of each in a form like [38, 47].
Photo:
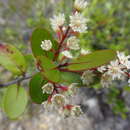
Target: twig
[61, 42]
[17, 80]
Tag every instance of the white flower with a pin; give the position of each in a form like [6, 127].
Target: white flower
[127, 64]
[58, 100]
[78, 22]
[102, 69]
[106, 80]
[76, 111]
[85, 52]
[57, 21]
[48, 88]
[66, 112]
[46, 45]
[80, 4]
[73, 43]
[87, 77]
[115, 70]
[67, 54]
[72, 89]
[124, 60]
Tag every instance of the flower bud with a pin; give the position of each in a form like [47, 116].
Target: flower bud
[67, 110]
[57, 21]
[67, 54]
[85, 52]
[106, 80]
[78, 23]
[102, 69]
[87, 77]
[79, 5]
[73, 43]
[48, 88]
[72, 89]
[46, 45]
[76, 111]
[58, 100]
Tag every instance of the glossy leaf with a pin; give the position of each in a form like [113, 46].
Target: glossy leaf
[30, 60]
[49, 69]
[35, 90]
[39, 35]
[69, 77]
[92, 60]
[46, 63]
[15, 101]
[12, 59]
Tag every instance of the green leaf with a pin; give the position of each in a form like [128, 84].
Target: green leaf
[92, 60]
[35, 90]
[29, 59]
[15, 101]
[69, 77]
[49, 69]
[30, 62]
[46, 63]
[52, 75]
[39, 35]
[12, 59]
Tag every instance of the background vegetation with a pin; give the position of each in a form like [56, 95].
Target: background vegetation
[108, 27]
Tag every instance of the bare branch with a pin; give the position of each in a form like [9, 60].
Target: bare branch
[17, 80]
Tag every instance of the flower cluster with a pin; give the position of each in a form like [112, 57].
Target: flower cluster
[78, 22]
[80, 4]
[48, 88]
[68, 44]
[87, 77]
[116, 70]
[57, 21]
[58, 101]
[77, 25]
[73, 43]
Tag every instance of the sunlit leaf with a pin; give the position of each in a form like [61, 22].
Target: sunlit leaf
[49, 69]
[39, 35]
[15, 101]
[12, 59]
[92, 60]
[69, 77]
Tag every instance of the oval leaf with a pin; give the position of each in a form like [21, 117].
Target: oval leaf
[39, 35]
[49, 69]
[15, 101]
[12, 59]
[69, 77]
[35, 90]
[92, 60]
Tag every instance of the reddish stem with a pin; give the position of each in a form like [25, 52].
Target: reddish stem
[61, 30]
[69, 107]
[127, 74]
[61, 42]
[63, 88]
